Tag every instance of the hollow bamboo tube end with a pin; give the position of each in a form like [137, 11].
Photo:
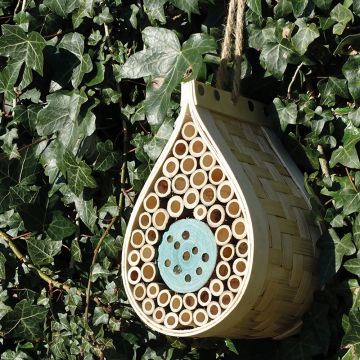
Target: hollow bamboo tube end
[148, 272]
[139, 292]
[137, 239]
[159, 315]
[207, 161]
[148, 306]
[242, 248]
[162, 186]
[198, 179]
[176, 303]
[233, 209]
[200, 212]
[216, 287]
[227, 252]
[134, 275]
[171, 320]
[223, 270]
[151, 202]
[197, 147]
[188, 131]
[216, 175]
[151, 236]
[190, 301]
[191, 198]
[180, 149]
[147, 253]
[163, 298]
[238, 228]
[223, 235]
[226, 298]
[180, 184]
[225, 192]
[188, 165]
[144, 220]
[215, 216]
[186, 317]
[208, 195]
[134, 257]
[200, 317]
[213, 310]
[175, 206]
[234, 283]
[204, 296]
[170, 167]
[240, 266]
[160, 219]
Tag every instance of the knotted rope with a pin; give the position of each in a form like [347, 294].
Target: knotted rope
[234, 28]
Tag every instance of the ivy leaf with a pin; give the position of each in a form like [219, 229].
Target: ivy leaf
[351, 71]
[76, 251]
[347, 154]
[342, 15]
[25, 321]
[352, 335]
[87, 212]
[323, 4]
[155, 9]
[331, 87]
[2, 266]
[287, 113]
[189, 6]
[255, 6]
[356, 231]
[60, 227]
[20, 46]
[42, 251]
[100, 316]
[8, 77]
[353, 266]
[62, 7]
[106, 158]
[299, 7]
[282, 8]
[305, 35]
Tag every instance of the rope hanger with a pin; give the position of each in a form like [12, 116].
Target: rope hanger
[234, 29]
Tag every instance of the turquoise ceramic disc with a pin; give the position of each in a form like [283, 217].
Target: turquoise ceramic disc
[187, 255]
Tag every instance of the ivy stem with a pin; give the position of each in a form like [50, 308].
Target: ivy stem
[293, 80]
[323, 162]
[351, 180]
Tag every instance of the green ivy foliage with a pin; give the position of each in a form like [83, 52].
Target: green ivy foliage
[89, 90]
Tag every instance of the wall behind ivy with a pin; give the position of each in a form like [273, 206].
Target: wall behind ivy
[89, 91]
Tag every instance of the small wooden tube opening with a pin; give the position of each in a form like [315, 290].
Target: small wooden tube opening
[204, 296]
[233, 209]
[163, 298]
[188, 165]
[180, 184]
[215, 216]
[234, 283]
[216, 175]
[198, 179]
[153, 289]
[216, 287]
[144, 220]
[227, 252]
[151, 202]
[148, 306]
[240, 266]
[242, 248]
[238, 228]
[188, 131]
[223, 270]
[180, 149]
[186, 317]
[200, 317]
[191, 198]
[151, 236]
[160, 219]
[148, 272]
[208, 195]
[137, 237]
[171, 320]
[226, 298]
[213, 310]
[190, 301]
[139, 292]
[170, 167]
[176, 303]
[207, 161]
[162, 186]
[134, 275]
[159, 315]
[200, 212]
[134, 257]
[223, 235]
[197, 147]
[175, 206]
[225, 192]
[147, 253]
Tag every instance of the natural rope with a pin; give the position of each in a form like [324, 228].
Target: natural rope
[234, 26]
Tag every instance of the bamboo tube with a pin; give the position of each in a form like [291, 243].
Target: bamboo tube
[197, 147]
[213, 310]
[225, 192]
[151, 236]
[153, 289]
[238, 228]
[226, 298]
[215, 216]
[186, 317]
[239, 266]
[171, 320]
[175, 206]
[148, 272]
[191, 198]
[208, 195]
[180, 184]
[159, 315]
[180, 149]
[200, 317]
[134, 257]
[176, 303]
[223, 270]
[242, 248]
[134, 275]
[200, 212]
[188, 165]
[190, 301]
[204, 296]
[144, 220]
[162, 186]
[216, 175]
[137, 239]
[234, 283]
[216, 287]
[207, 161]
[163, 298]
[227, 252]
[188, 131]
[148, 306]
[233, 209]
[223, 235]
[160, 219]
[151, 202]
[198, 179]
[170, 167]
[147, 253]
[139, 292]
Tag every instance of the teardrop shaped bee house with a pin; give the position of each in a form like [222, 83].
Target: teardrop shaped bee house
[221, 240]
